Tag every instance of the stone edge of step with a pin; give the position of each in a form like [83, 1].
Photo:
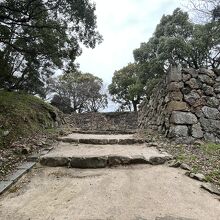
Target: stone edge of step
[95, 162]
[101, 141]
[21, 170]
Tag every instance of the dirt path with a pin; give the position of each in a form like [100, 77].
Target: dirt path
[140, 192]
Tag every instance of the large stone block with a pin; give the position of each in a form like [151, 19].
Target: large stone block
[194, 83]
[208, 90]
[192, 97]
[177, 106]
[207, 72]
[175, 86]
[197, 131]
[217, 88]
[212, 102]
[186, 118]
[186, 77]
[210, 125]
[175, 96]
[206, 79]
[190, 71]
[178, 131]
[175, 74]
[211, 113]
[210, 137]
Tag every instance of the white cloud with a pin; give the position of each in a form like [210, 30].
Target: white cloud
[124, 24]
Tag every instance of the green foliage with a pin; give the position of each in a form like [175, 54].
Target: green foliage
[178, 41]
[126, 88]
[211, 148]
[80, 92]
[22, 115]
[37, 37]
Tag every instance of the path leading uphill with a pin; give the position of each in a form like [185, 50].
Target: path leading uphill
[91, 177]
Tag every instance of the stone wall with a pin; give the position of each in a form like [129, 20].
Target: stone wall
[185, 106]
[113, 122]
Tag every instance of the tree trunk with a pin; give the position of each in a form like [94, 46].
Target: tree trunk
[134, 103]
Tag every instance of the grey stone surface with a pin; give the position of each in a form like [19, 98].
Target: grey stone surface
[183, 118]
[33, 157]
[175, 74]
[55, 161]
[174, 163]
[210, 137]
[157, 160]
[206, 79]
[197, 131]
[198, 176]
[218, 79]
[185, 167]
[190, 71]
[207, 72]
[89, 162]
[100, 156]
[114, 160]
[93, 141]
[177, 106]
[27, 165]
[178, 131]
[16, 175]
[212, 102]
[175, 96]
[193, 83]
[211, 113]
[208, 90]
[192, 97]
[4, 185]
[112, 122]
[185, 140]
[195, 98]
[210, 125]
[175, 86]
[217, 88]
[100, 139]
[211, 188]
[186, 77]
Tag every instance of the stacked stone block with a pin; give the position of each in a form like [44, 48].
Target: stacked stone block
[190, 103]
[113, 122]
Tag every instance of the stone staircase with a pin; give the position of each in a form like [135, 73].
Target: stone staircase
[80, 150]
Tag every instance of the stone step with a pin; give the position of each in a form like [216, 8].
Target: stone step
[108, 132]
[101, 139]
[101, 156]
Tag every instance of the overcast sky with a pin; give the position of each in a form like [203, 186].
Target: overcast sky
[124, 24]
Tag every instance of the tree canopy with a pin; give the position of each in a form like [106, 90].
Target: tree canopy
[78, 92]
[126, 87]
[39, 36]
[177, 40]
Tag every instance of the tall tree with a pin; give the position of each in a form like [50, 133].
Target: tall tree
[177, 40]
[126, 87]
[82, 90]
[39, 36]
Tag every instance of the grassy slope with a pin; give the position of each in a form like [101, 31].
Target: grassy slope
[23, 115]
